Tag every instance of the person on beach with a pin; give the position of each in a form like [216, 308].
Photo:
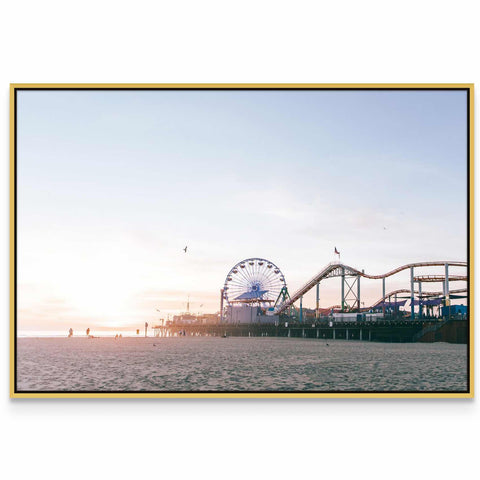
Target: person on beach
[70, 333]
[88, 332]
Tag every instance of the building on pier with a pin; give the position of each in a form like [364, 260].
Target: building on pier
[246, 313]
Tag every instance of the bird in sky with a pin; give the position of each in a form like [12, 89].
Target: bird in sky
[185, 249]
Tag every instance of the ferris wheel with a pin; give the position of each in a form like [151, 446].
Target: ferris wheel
[254, 280]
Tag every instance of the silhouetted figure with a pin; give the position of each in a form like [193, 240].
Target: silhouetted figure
[88, 332]
[70, 333]
[185, 249]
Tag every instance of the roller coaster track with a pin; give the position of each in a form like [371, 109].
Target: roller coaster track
[440, 278]
[337, 269]
[424, 294]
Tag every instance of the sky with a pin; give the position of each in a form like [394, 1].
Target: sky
[112, 185]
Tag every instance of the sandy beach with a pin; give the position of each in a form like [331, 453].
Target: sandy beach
[236, 364]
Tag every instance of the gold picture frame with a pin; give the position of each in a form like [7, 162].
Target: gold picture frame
[14, 393]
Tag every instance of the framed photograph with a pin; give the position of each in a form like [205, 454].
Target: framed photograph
[241, 241]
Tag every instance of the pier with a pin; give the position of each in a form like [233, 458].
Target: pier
[449, 330]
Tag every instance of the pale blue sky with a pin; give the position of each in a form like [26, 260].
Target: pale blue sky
[113, 184]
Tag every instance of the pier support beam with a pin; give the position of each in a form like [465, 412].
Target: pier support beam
[317, 304]
[358, 293]
[383, 295]
[361, 334]
[334, 334]
[419, 299]
[301, 308]
[447, 287]
[350, 293]
[412, 295]
[444, 298]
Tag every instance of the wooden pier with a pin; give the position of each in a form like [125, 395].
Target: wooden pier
[453, 331]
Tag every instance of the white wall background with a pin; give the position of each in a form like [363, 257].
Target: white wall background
[250, 41]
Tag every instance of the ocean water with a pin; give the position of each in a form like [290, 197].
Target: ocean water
[237, 364]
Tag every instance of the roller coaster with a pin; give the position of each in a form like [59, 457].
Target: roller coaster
[351, 279]
[416, 292]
